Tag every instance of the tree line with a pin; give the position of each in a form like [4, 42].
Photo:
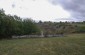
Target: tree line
[14, 25]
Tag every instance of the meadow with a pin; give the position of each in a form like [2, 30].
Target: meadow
[72, 44]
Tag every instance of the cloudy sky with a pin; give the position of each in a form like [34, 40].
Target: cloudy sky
[46, 10]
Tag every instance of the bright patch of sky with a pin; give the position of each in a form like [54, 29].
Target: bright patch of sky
[35, 9]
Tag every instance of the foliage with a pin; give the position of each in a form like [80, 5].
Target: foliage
[14, 25]
[62, 27]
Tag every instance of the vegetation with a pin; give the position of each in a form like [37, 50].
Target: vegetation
[73, 44]
[62, 27]
[14, 25]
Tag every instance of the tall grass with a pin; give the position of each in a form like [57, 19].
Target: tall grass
[73, 44]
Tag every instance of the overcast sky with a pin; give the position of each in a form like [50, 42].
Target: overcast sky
[46, 10]
[75, 7]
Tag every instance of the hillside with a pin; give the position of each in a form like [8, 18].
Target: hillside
[53, 28]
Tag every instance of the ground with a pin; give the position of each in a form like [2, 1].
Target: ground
[72, 44]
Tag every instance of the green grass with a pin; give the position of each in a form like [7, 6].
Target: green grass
[73, 44]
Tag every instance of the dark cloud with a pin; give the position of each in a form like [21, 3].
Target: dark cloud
[76, 7]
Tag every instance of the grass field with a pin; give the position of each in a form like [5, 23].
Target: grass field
[73, 44]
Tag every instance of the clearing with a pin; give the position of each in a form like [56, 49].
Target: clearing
[73, 44]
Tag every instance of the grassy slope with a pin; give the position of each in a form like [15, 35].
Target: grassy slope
[72, 45]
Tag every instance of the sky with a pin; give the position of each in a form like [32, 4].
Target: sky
[46, 10]
[75, 7]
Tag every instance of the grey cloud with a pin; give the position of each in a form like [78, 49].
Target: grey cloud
[75, 7]
[13, 5]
